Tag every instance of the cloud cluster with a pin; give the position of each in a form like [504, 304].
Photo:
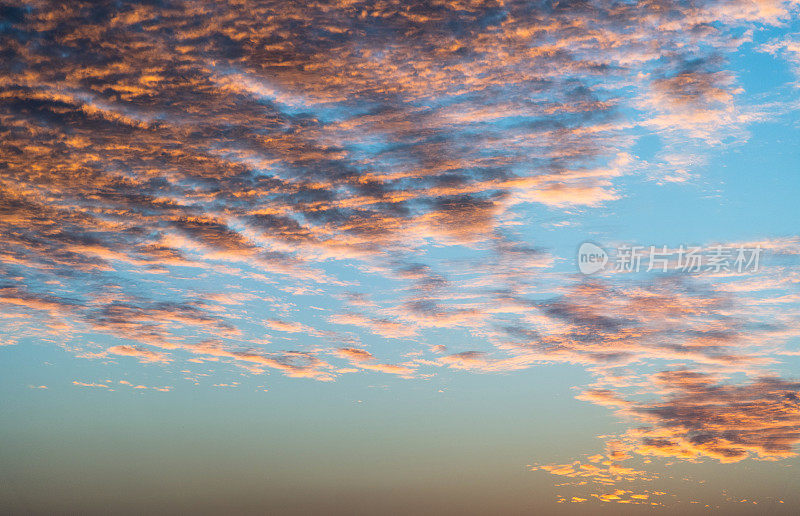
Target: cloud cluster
[177, 179]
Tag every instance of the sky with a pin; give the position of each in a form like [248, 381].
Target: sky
[400, 257]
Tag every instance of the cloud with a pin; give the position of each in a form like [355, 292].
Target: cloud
[383, 327]
[201, 181]
[700, 417]
[288, 326]
[355, 354]
[788, 48]
[365, 360]
[90, 384]
[144, 355]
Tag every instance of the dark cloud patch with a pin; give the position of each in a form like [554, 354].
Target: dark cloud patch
[701, 417]
[212, 233]
[699, 81]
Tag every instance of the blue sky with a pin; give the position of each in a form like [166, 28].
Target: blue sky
[290, 258]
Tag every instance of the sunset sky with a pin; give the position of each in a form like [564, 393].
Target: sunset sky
[293, 257]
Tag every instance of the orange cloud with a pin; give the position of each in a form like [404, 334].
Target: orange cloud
[143, 354]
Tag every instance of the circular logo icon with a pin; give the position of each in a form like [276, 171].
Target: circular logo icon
[591, 258]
